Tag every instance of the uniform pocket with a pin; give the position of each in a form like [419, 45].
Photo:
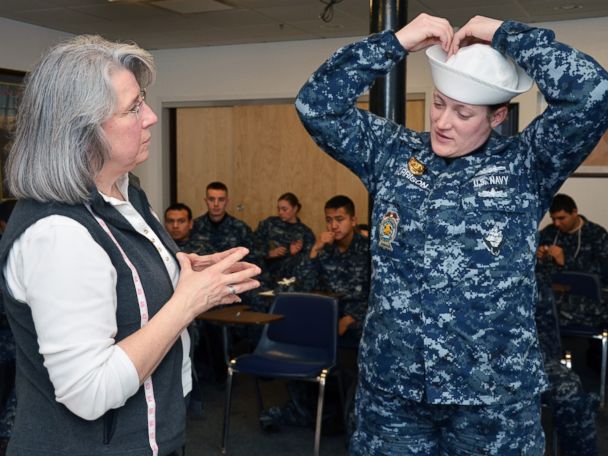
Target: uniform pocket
[496, 225]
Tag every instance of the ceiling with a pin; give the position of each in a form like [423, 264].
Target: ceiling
[166, 24]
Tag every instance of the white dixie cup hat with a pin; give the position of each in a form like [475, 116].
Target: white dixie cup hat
[477, 74]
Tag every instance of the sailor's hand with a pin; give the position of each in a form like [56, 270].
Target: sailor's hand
[479, 29]
[424, 31]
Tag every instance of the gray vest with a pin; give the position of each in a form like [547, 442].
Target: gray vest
[45, 427]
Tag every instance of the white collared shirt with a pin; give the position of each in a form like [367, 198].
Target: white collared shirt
[69, 283]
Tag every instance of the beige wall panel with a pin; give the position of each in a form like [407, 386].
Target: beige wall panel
[204, 152]
[599, 155]
[283, 158]
[258, 162]
[414, 115]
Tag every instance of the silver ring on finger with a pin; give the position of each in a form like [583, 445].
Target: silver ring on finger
[231, 289]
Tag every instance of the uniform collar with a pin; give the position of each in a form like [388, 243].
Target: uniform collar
[436, 165]
[224, 218]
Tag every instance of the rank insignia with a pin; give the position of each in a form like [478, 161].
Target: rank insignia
[415, 167]
[388, 230]
[493, 241]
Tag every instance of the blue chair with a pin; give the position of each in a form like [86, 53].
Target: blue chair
[302, 346]
[580, 284]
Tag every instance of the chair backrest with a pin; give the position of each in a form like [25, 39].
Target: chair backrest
[308, 331]
[580, 284]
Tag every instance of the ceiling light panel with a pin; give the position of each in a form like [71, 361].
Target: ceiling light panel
[191, 6]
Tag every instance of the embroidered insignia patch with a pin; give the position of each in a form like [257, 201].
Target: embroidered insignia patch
[415, 167]
[493, 241]
[388, 230]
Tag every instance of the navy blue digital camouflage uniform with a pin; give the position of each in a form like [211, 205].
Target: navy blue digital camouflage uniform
[345, 274]
[451, 315]
[586, 250]
[189, 246]
[574, 409]
[209, 237]
[273, 232]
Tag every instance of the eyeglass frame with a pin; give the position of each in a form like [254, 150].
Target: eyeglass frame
[136, 109]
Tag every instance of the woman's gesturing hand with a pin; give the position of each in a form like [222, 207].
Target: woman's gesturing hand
[200, 262]
[216, 279]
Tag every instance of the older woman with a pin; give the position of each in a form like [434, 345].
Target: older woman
[96, 295]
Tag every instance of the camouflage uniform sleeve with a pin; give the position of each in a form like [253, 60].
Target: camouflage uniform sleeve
[196, 226]
[308, 274]
[348, 276]
[246, 240]
[576, 90]
[355, 302]
[355, 306]
[309, 240]
[260, 240]
[245, 235]
[197, 245]
[326, 105]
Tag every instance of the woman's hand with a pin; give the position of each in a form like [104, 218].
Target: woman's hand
[424, 31]
[204, 282]
[479, 29]
[200, 262]
[296, 246]
[207, 281]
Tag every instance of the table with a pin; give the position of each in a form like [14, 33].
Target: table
[237, 314]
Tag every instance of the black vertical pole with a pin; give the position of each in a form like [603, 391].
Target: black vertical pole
[387, 95]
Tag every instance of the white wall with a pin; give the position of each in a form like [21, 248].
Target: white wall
[277, 70]
[591, 196]
[21, 45]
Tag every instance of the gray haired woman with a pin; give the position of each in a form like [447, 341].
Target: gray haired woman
[96, 294]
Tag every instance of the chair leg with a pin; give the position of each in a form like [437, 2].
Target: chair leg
[322, 379]
[227, 409]
[603, 373]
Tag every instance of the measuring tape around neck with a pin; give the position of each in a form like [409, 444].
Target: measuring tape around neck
[144, 317]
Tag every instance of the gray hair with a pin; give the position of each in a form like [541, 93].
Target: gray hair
[59, 145]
